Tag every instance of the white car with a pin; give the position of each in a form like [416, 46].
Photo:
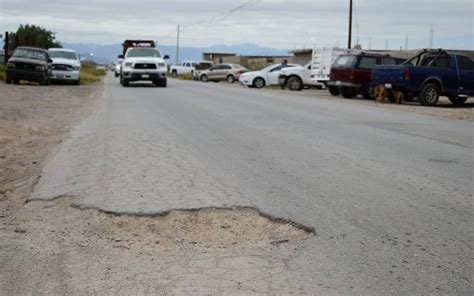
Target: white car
[264, 77]
[118, 67]
[66, 65]
[144, 64]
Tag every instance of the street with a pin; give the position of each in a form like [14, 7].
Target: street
[388, 193]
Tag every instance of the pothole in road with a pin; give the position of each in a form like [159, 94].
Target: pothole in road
[176, 231]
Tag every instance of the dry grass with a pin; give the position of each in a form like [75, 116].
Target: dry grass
[2, 72]
[91, 75]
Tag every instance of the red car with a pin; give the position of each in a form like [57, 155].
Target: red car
[351, 73]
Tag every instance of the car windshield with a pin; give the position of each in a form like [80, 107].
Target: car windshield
[269, 68]
[69, 55]
[30, 54]
[143, 52]
[345, 61]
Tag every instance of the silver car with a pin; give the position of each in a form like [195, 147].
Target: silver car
[223, 72]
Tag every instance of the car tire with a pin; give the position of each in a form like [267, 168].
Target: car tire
[8, 79]
[334, 90]
[77, 82]
[457, 101]
[295, 84]
[204, 78]
[125, 83]
[258, 82]
[429, 95]
[348, 92]
[230, 79]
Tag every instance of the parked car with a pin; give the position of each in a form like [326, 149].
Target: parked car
[118, 67]
[66, 65]
[201, 66]
[144, 64]
[315, 73]
[223, 72]
[351, 73]
[430, 75]
[186, 67]
[266, 76]
[29, 63]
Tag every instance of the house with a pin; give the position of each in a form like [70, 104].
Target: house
[216, 57]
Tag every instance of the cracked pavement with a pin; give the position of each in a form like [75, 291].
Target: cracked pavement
[389, 193]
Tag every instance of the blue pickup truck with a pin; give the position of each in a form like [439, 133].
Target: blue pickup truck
[428, 76]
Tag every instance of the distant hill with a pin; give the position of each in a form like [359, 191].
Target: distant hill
[109, 53]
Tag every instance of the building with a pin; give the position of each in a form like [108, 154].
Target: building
[301, 56]
[216, 57]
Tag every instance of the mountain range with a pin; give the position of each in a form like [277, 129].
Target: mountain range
[107, 53]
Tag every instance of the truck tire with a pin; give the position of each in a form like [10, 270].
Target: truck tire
[457, 100]
[429, 94]
[334, 90]
[125, 83]
[348, 92]
[163, 82]
[174, 73]
[258, 82]
[230, 79]
[294, 83]
[204, 78]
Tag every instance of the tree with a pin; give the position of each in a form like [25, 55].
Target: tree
[32, 35]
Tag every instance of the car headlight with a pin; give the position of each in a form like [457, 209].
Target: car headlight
[161, 65]
[11, 65]
[129, 64]
[77, 68]
[40, 68]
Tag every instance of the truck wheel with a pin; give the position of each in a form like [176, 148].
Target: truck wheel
[348, 92]
[116, 75]
[258, 82]
[457, 100]
[429, 95]
[8, 79]
[174, 73]
[333, 90]
[295, 84]
[125, 83]
[230, 79]
[163, 83]
[204, 78]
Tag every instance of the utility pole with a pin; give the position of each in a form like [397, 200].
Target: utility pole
[386, 43]
[357, 34]
[431, 36]
[349, 42]
[370, 42]
[177, 48]
[406, 42]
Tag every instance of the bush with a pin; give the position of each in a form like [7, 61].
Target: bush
[2, 72]
[91, 75]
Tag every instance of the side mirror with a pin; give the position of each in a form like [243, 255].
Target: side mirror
[120, 56]
[166, 57]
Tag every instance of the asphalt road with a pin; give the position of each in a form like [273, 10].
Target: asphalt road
[389, 193]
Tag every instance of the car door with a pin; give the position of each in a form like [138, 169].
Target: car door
[226, 69]
[212, 74]
[272, 75]
[466, 75]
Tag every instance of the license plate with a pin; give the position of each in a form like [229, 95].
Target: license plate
[60, 75]
[338, 83]
[145, 76]
[388, 85]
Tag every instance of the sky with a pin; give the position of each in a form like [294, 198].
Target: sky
[271, 23]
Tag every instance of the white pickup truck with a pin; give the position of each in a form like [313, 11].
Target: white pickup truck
[144, 64]
[315, 73]
[186, 67]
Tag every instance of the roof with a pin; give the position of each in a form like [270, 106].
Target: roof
[301, 50]
[220, 53]
[32, 48]
[62, 49]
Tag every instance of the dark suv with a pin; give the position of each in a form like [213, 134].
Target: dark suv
[29, 63]
[351, 73]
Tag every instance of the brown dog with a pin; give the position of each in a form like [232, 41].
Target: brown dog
[384, 95]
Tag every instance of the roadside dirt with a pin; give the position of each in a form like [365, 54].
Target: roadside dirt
[56, 248]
